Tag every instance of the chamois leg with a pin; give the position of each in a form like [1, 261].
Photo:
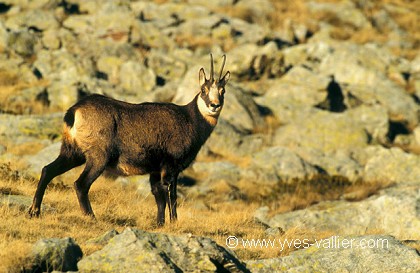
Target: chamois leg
[159, 193]
[170, 183]
[59, 166]
[92, 171]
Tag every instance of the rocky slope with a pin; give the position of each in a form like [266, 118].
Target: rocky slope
[303, 102]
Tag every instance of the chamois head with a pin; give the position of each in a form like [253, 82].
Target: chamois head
[212, 90]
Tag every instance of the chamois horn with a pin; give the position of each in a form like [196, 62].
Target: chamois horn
[223, 65]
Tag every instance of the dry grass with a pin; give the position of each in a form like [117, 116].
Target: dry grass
[118, 206]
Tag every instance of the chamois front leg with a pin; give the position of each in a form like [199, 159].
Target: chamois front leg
[169, 180]
[159, 194]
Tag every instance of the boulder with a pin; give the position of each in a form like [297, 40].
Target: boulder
[227, 141]
[140, 251]
[345, 12]
[277, 164]
[13, 200]
[369, 253]
[23, 42]
[400, 106]
[15, 129]
[37, 161]
[339, 163]
[55, 254]
[135, 78]
[346, 218]
[322, 130]
[391, 165]
[299, 89]
[38, 19]
[217, 171]
[103, 239]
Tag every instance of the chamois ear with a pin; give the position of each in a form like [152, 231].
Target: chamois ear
[225, 79]
[202, 77]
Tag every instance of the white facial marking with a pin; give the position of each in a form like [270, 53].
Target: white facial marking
[214, 96]
[208, 115]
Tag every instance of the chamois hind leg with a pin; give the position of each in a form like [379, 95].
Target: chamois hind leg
[93, 169]
[159, 194]
[62, 164]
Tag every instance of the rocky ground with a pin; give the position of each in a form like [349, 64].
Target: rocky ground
[308, 98]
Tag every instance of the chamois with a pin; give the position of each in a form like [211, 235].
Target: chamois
[159, 139]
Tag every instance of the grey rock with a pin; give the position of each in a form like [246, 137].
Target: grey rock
[279, 164]
[189, 85]
[374, 119]
[111, 20]
[299, 89]
[347, 218]
[110, 65]
[240, 59]
[382, 20]
[197, 27]
[258, 14]
[399, 105]
[241, 111]
[416, 134]
[141, 181]
[217, 171]
[37, 161]
[62, 95]
[322, 130]
[354, 64]
[369, 253]
[227, 141]
[65, 72]
[37, 127]
[213, 4]
[250, 33]
[33, 18]
[21, 202]
[23, 42]
[51, 39]
[149, 35]
[346, 12]
[139, 251]
[391, 165]
[161, 16]
[4, 36]
[136, 79]
[55, 254]
[62, 66]
[251, 61]
[309, 54]
[339, 163]
[104, 238]
[168, 67]
[415, 64]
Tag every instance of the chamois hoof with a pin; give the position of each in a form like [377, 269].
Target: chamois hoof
[33, 212]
